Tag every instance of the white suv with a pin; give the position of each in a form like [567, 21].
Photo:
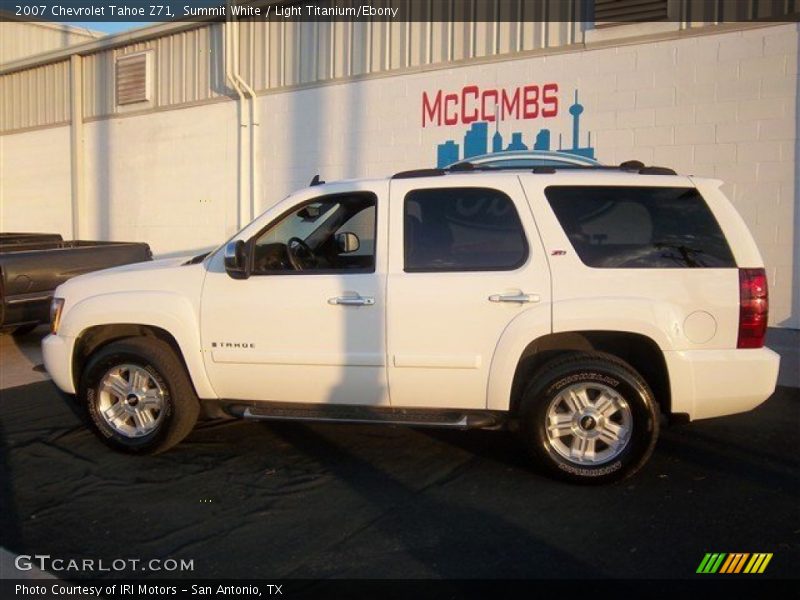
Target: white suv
[572, 305]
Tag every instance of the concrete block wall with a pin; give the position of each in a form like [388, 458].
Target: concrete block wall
[35, 181]
[167, 178]
[722, 106]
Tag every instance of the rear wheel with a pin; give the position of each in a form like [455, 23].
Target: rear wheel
[138, 396]
[589, 418]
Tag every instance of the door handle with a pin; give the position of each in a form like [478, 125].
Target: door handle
[520, 298]
[352, 300]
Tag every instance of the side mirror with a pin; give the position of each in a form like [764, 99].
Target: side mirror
[347, 242]
[236, 259]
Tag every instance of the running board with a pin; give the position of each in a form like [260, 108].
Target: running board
[323, 413]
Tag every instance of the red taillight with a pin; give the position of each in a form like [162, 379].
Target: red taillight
[753, 308]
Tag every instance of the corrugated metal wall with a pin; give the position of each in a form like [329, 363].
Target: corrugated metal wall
[35, 97]
[189, 66]
[277, 54]
[21, 39]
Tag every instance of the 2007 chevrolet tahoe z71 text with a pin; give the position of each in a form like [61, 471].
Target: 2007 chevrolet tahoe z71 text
[570, 305]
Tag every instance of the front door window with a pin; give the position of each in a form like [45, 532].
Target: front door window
[327, 235]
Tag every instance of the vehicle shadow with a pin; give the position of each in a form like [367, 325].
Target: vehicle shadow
[9, 518]
[502, 447]
[758, 446]
[753, 446]
[452, 538]
[28, 345]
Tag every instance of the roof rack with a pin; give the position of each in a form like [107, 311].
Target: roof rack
[419, 173]
[630, 166]
[657, 171]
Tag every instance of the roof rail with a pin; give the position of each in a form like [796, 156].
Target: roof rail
[656, 171]
[418, 173]
[630, 166]
[464, 165]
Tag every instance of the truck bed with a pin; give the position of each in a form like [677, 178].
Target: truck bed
[12, 242]
[31, 270]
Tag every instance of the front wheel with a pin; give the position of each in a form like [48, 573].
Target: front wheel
[138, 396]
[589, 418]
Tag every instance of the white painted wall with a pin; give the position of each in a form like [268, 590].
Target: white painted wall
[722, 105]
[166, 178]
[35, 181]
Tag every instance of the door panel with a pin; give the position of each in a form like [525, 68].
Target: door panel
[443, 327]
[657, 293]
[281, 340]
[315, 337]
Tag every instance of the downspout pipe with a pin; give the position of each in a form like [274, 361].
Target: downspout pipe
[253, 102]
[232, 80]
[76, 146]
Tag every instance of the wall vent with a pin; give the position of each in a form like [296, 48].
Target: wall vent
[132, 79]
[608, 13]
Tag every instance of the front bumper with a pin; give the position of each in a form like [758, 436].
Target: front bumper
[714, 383]
[57, 354]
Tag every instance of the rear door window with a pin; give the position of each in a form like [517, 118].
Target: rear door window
[462, 229]
[640, 227]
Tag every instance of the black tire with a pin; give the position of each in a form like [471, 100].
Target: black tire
[597, 371]
[180, 404]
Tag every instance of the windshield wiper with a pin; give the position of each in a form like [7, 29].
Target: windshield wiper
[197, 259]
[687, 254]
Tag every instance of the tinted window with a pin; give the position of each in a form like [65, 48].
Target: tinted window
[462, 229]
[363, 225]
[305, 238]
[640, 227]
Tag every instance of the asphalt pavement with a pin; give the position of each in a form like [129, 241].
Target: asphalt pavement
[280, 500]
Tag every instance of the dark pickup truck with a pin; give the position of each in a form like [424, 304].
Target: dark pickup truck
[32, 265]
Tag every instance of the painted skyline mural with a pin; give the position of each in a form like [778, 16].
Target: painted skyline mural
[476, 141]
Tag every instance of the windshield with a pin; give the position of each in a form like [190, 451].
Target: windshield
[236, 235]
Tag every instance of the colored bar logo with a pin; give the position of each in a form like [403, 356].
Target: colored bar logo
[735, 562]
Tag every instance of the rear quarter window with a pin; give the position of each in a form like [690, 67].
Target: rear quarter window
[640, 227]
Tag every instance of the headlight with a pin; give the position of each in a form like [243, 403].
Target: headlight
[56, 306]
